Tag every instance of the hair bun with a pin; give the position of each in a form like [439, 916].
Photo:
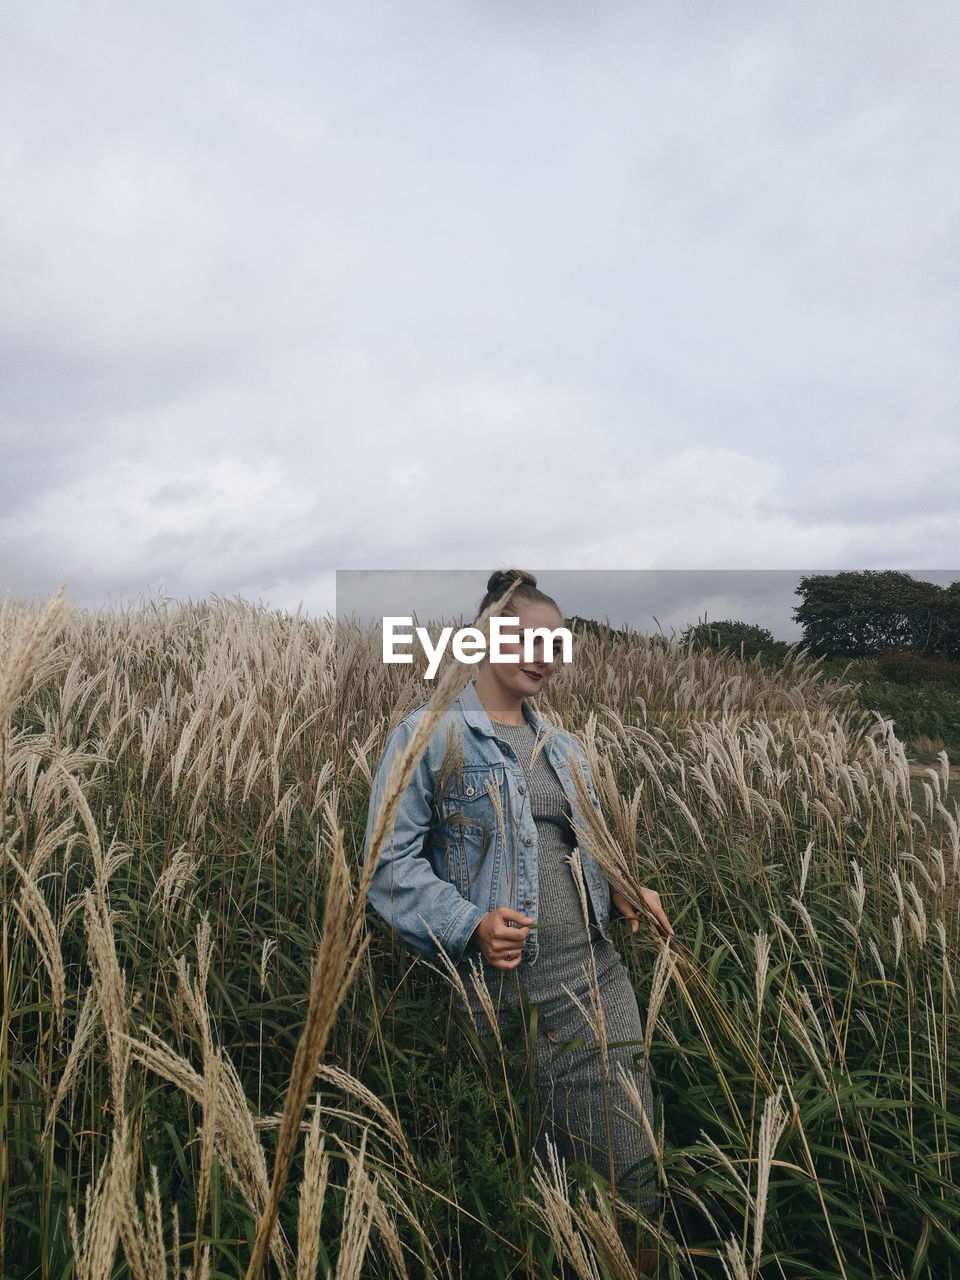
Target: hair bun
[501, 579]
[524, 588]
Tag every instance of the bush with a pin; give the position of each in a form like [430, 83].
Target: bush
[901, 666]
[742, 638]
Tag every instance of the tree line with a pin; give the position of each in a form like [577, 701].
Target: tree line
[871, 612]
[857, 614]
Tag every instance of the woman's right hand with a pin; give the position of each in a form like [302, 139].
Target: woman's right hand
[500, 935]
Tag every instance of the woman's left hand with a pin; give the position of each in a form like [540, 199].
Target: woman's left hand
[651, 900]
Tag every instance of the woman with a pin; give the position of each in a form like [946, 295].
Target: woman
[480, 861]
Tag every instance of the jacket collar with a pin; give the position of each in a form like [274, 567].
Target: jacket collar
[476, 716]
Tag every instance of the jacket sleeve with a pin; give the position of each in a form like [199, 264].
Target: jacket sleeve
[404, 889]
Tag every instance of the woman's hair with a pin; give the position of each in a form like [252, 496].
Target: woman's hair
[527, 589]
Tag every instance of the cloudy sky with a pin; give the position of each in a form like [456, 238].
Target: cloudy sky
[654, 601]
[456, 284]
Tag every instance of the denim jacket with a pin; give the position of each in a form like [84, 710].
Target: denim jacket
[452, 856]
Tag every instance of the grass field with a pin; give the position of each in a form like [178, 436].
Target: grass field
[215, 1063]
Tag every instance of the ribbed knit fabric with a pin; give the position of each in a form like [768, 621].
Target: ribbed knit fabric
[583, 1106]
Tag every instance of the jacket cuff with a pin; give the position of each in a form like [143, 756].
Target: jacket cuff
[459, 930]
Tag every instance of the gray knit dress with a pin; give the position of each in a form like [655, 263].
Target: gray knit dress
[582, 1107]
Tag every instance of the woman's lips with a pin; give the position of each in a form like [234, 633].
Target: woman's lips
[531, 675]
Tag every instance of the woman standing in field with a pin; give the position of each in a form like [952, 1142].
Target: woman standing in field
[487, 849]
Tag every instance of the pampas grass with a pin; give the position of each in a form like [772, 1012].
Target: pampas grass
[213, 1064]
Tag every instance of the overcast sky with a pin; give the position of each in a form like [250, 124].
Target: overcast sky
[653, 601]
[407, 284]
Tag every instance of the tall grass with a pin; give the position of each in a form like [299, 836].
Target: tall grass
[215, 1065]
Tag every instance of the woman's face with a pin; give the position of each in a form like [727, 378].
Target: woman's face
[521, 677]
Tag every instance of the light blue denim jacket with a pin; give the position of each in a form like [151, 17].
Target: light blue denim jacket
[451, 859]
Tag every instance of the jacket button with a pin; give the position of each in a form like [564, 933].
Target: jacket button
[528, 902]
[527, 840]
[522, 789]
[469, 791]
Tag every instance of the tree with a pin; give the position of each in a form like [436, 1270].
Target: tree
[741, 637]
[950, 638]
[872, 611]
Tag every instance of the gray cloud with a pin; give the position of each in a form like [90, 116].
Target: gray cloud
[648, 599]
[603, 286]
[653, 601]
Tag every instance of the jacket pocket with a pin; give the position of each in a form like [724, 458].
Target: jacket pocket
[469, 823]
